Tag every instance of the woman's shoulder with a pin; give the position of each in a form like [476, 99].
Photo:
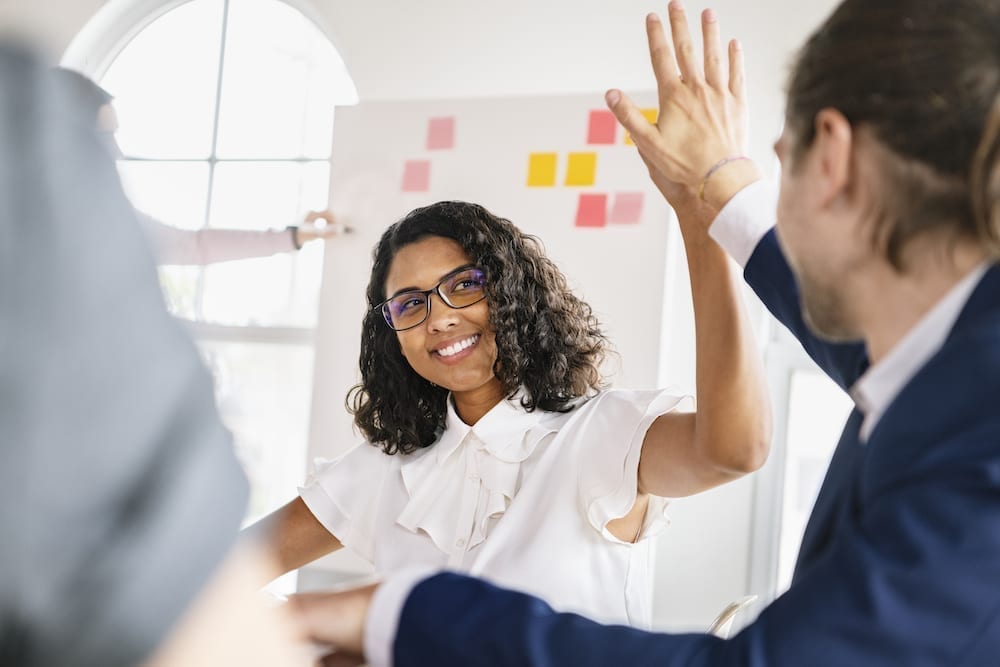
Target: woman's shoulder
[629, 400]
[361, 456]
[613, 411]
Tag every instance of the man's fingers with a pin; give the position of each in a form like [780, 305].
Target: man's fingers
[737, 79]
[661, 54]
[630, 117]
[683, 45]
[714, 75]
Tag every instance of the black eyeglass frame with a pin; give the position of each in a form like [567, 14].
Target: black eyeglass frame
[384, 306]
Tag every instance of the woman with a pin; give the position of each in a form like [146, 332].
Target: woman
[491, 446]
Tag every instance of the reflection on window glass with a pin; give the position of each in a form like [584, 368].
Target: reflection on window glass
[817, 410]
[263, 392]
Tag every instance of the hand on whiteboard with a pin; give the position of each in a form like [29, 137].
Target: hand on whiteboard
[320, 225]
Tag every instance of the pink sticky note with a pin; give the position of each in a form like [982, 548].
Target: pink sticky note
[627, 208]
[592, 210]
[417, 176]
[601, 128]
[441, 133]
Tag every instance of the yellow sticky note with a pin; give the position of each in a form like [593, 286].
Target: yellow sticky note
[542, 170]
[651, 115]
[582, 169]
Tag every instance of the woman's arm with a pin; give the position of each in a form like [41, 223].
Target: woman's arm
[730, 432]
[199, 247]
[694, 157]
[293, 535]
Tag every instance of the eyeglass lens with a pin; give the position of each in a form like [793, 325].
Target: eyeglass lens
[457, 290]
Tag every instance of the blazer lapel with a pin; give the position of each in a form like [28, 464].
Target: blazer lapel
[834, 495]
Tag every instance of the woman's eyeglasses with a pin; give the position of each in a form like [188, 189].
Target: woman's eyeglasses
[459, 289]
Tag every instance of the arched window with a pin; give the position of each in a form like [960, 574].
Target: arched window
[226, 118]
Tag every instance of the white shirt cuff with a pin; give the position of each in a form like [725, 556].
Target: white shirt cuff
[745, 219]
[385, 610]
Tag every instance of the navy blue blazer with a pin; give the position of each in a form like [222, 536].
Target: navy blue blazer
[899, 564]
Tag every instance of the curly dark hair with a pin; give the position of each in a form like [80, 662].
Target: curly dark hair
[548, 341]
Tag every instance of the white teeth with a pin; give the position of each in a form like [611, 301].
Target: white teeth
[455, 348]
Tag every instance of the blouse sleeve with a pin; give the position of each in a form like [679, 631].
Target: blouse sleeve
[343, 494]
[607, 437]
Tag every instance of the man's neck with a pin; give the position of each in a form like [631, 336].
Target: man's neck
[892, 303]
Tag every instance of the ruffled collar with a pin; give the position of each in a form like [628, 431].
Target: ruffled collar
[469, 475]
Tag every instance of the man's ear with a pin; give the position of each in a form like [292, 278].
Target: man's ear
[832, 149]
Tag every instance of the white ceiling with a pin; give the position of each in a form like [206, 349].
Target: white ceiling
[406, 49]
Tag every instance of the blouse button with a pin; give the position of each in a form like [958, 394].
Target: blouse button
[460, 543]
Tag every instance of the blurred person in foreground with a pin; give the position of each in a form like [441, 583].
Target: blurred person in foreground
[121, 493]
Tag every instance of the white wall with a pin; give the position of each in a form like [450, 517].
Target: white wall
[436, 49]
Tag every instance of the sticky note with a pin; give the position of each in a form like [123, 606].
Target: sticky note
[601, 127]
[592, 210]
[582, 169]
[441, 133]
[626, 208]
[651, 115]
[542, 170]
[417, 176]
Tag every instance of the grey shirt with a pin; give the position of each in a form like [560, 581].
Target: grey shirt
[119, 489]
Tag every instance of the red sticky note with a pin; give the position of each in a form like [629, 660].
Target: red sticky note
[627, 208]
[601, 128]
[592, 210]
[441, 133]
[417, 176]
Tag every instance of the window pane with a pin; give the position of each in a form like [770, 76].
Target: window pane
[817, 410]
[165, 81]
[263, 392]
[180, 290]
[281, 79]
[265, 195]
[279, 290]
[176, 194]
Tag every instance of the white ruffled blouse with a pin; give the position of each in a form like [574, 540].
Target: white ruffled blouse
[521, 498]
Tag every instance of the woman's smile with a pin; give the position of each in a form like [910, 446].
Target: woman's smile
[453, 351]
